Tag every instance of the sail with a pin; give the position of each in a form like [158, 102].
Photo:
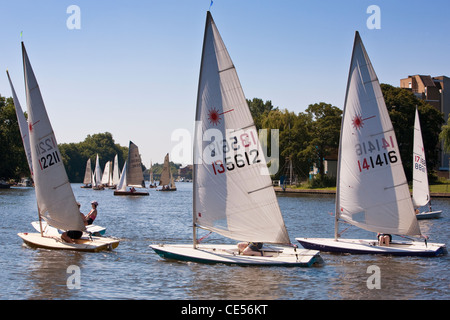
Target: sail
[116, 174]
[372, 191]
[106, 177]
[421, 191]
[233, 193]
[97, 173]
[122, 186]
[55, 198]
[88, 173]
[165, 173]
[23, 125]
[135, 176]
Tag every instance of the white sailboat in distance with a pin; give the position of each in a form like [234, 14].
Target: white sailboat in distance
[232, 190]
[372, 191]
[421, 189]
[55, 199]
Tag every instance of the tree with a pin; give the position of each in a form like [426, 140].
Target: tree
[324, 131]
[259, 110]
[13, 162]
[401, 104]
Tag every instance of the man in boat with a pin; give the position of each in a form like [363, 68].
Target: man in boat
[250, 248]
[71, 235]
[384, 239]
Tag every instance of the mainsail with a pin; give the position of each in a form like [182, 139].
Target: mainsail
[165, 173]
[233, 193]
[55, 198]
[135, 176]
[421, 191]
[372, 191]
[116, 174]
[88, 173]
[23, 125]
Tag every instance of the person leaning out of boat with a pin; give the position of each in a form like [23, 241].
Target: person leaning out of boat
[90, 217]
[250, 248]
[384, 239]
[72, 235]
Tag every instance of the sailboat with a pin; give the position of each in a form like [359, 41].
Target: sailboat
[166, 180]
[152, 183]
[87, 181]
[372, 191]
[107, 175]
[232, 192]
[421, 190]
[55, 199]
[97, 176]
[132, 176]
[116, 173]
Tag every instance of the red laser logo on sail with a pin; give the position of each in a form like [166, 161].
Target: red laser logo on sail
[214, 116]
[358, 121]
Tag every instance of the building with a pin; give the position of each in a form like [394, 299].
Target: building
[435, 91]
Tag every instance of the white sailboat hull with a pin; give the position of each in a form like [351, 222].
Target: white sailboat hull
[429, 215]
[90, 244]
[228, 254]
[51, 231]
[366, 246]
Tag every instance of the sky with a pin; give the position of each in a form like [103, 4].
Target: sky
[131, 68]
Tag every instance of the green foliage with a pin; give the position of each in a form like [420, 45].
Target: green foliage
[13, 164]
[401, 104]
[75, 155]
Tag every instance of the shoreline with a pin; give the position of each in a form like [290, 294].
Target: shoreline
[292, 191]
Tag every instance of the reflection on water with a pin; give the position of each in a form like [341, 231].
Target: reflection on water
[134, 271]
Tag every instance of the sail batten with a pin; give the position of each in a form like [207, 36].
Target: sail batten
[230, 174]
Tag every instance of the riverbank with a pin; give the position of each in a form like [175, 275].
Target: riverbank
[299, 191]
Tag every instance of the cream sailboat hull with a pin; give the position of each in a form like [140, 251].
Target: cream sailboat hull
[90, 244]
[228, 254]
[365, 246]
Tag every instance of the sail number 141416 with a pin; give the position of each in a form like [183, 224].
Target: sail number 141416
[374, 155]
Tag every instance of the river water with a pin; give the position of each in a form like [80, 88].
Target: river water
[134, 271]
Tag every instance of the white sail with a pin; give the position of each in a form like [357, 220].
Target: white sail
[135, 176]
[233, 193]
[372, 191]
[122, 186]
[116, 173]
[23, 125]
[165, 173]
[88, 173]
[97, 172]
[55, 198]
[106, 177]
[421, 191]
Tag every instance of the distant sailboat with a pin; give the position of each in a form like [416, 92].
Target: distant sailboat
[152, 183]
[166, 180]
[97, 176]
[372, 191]
[116, 173]
[132, 175]
[107, 175]
[421, 189]
[232, 192]
[87, 181]
[54, 195]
